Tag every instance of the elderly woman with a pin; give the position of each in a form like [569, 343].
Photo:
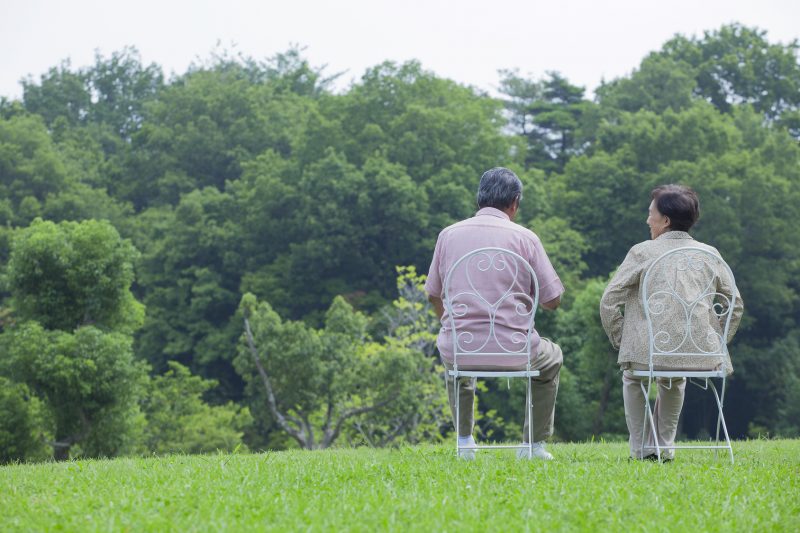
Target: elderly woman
[673, 211]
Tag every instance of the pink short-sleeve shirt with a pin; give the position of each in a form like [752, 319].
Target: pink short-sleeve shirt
[489, 227]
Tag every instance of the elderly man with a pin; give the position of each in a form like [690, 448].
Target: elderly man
[499, 195]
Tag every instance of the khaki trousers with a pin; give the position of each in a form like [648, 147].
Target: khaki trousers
[543, 389]
[666, 411]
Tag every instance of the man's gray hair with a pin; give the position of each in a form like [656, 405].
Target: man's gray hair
[499, 187]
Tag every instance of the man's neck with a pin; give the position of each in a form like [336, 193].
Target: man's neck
[511, 212]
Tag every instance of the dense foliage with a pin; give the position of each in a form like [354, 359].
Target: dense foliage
[245, 176]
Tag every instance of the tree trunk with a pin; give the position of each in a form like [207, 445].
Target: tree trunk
[597, 426]
[61, 451]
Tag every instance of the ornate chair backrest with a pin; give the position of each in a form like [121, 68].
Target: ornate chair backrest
[490, 297]
[688, 296]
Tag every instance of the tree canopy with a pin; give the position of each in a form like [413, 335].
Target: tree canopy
[138, 211]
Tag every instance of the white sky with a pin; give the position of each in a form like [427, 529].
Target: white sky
[465, 40]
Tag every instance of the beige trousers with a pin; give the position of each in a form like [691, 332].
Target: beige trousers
[543, 388]
[666, 411]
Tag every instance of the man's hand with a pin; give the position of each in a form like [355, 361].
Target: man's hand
[438, 305]
[552, 305]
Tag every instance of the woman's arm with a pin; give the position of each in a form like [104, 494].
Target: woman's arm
[725, 287]
[625, 280]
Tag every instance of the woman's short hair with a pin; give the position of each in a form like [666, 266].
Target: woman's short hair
[499, 187]
[679, 203]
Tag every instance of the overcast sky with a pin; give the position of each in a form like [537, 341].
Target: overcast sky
[465, 40]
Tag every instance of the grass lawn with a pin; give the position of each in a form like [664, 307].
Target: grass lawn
[425, 488]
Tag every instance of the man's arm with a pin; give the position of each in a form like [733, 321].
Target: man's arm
[550, 286]
[552, 305]
[438, 305]
[433, 283]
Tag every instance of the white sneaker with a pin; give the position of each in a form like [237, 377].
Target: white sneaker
[467, 446]
[537, 452]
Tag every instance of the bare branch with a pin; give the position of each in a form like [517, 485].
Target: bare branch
[401, 425]
[364, 434]
[331, 436]
[61, 447]
[328, 415]
[309, 431]
[283, 420]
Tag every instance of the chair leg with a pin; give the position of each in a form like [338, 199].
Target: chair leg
[456, 390]
[648, 417]
[644, 422]
[529, 407]
[722, 403]
[721, 418]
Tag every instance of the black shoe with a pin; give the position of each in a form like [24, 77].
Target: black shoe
[654, 457]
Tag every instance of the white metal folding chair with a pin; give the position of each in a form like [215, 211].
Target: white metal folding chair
[477, 302]
[687, 316]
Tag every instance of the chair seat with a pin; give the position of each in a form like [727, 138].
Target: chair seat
[680, 373]
[494, 373]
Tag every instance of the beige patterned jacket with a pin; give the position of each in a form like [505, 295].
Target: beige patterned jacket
[628, 332]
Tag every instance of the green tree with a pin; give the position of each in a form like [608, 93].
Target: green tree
[565, 248]
[786, 353]
[73, 343]
[423, 415]
[422, 122]
[550, 114]
[59, 93]
[30, 168]
[73, 274]
[315, 382]
[112, 92]
[628, 160]
[591, 404]
[56, 175]
[189, 276]
[121, 88]
[736, 64]
[21, 427]
[747, 178]
[207, 123]
[660, 83]
[243, 175]
[89, 380]
[178, 420]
